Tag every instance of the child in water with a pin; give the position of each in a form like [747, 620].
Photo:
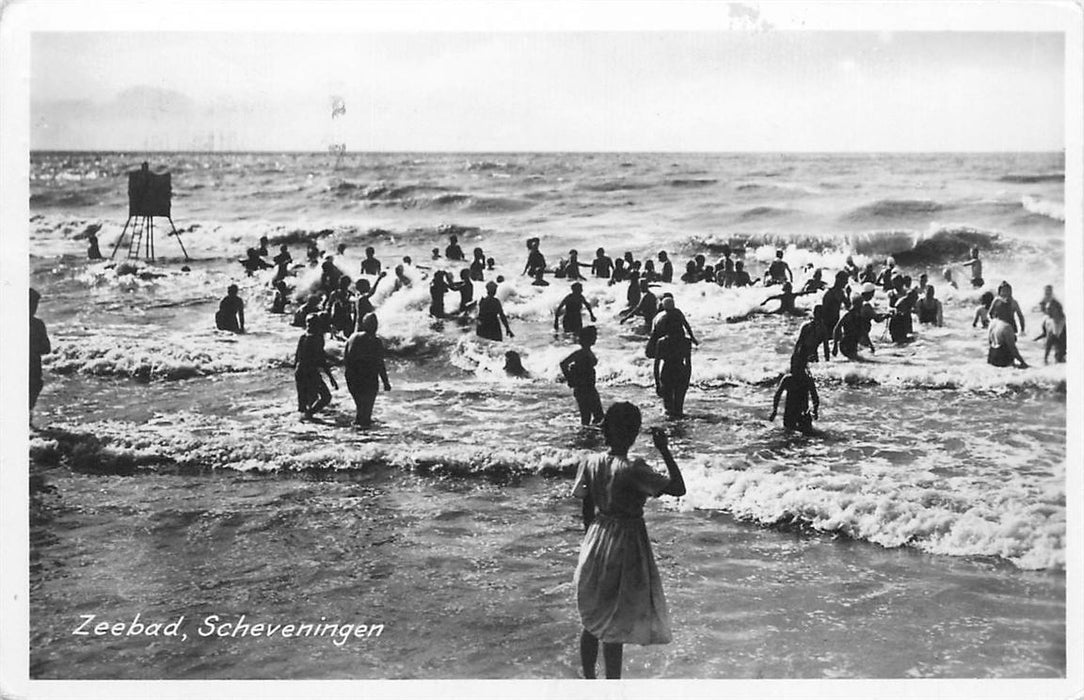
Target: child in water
[579, 373]
[800, 389]
[618, 588]
[1053, 331]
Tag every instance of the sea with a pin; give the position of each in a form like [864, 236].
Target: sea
[920, 534]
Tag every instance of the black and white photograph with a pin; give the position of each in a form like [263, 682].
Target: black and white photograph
[458, 342]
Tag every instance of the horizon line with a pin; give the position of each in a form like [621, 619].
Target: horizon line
[32, 151]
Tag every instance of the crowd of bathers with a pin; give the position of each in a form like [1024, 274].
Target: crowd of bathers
[841, 323]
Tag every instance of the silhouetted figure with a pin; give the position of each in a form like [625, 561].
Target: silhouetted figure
[309, 361]
[578, 370]
[363, 366]
[39, 345]
[231, 312]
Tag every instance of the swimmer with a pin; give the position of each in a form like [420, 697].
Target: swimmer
[1054, 332]
[900, 325]
[779, 271]
[786, 301]
[570, 311]
[282, 262]
[672, 370]
[602, 265]
[1003, 351]
[578, 370]
[231, 312]
[39, 345]
[364, 369]
[811, 336]
[929, 309]
[370, 265]
[666, 274]
[572, 267]
[814, 283]
[309, 361]
[535, 260]
[465, 287]
[849, 332]
[835, 298]
[976, 268]
[478, 266]
[1006, 308]
[740, 278]
[453, 251]
[647, 307]
[93, 252]
[513, 364]
[668, 321]
[982, 312]
[363, 304]
[888, 275]
[800, 389]
[539, 278]
[282, 297]
[438, 286]
[491, 315]
[691, 274]
[311, 306]
[254, 262]
[340, 308]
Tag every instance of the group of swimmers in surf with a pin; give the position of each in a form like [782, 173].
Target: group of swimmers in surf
[841, 322]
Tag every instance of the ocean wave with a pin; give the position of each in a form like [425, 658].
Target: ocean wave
[692, 182]
[1032, 178]
[490, 165]
[894, 209]
[1043, 207]
[177, 356]
[935, 515]
[64, 199]
[614, 185]
[189, 440]
[763, 212]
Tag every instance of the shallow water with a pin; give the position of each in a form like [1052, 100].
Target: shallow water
[922, 534]
[473, 580]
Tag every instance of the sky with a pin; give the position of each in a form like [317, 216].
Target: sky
[549, 91]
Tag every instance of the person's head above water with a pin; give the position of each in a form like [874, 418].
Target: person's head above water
[987, 298]
[662, 256]
[1004, 290]
[588, 335]
[491, 288]
[577, 287]
[35, 297]
[621, 425]
[779, 254]
[453, 239]
[513, 364]
[232, 290]
[739, 266]
[362, 285]
[600, 252]
[841, 278]
[370, 252]
[929, 291]
[668, 303]
[369, 323]
[399, 270]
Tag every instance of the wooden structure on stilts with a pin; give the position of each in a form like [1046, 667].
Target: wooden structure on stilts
[149, 195]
